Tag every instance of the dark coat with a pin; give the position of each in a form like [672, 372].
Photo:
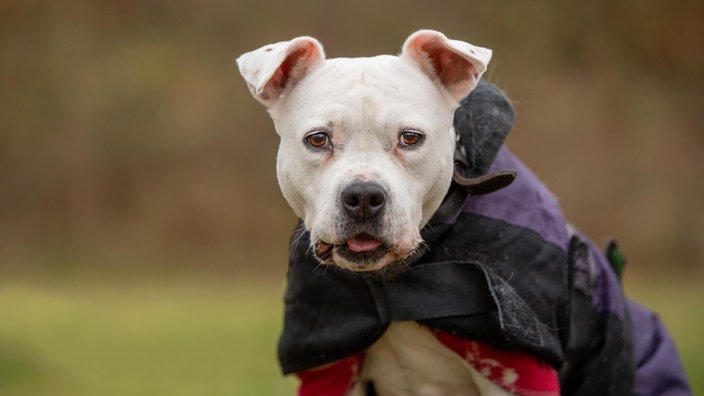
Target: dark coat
[501, 268]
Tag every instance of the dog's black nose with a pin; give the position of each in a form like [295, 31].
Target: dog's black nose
[363, 200]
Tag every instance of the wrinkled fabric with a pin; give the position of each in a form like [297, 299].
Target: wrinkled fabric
[510, 289]
[658, 368]
[502, 270]
[517, 372]
[533, 287]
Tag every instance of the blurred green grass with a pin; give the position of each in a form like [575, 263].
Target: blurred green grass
[191, 336]
[181, 337]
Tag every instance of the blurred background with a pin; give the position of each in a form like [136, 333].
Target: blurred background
[143, 239]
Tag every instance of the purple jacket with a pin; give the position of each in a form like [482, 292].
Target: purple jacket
[656, 368]
[502, 268]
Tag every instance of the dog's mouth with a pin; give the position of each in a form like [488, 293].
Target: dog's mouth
[360, 252]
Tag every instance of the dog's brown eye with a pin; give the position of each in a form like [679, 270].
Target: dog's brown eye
[317, 139]
[410, 138]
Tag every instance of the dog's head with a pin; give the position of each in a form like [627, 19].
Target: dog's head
[367, 144]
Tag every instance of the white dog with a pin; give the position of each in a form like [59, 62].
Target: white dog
[367, 144]
[367, 157]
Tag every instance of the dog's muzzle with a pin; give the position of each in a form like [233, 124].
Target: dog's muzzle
[362, 245]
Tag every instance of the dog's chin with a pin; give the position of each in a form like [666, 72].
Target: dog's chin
[378, 257]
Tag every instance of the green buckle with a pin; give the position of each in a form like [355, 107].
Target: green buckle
[616, 258]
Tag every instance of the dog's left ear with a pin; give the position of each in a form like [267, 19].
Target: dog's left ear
[455, 65]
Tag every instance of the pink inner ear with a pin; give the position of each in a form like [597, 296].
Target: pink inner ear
[458, 72]
[286, 71]
[454, 71]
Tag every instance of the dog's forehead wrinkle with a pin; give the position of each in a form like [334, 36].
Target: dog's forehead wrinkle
[365, 100]
[387, 144]
[353, 74]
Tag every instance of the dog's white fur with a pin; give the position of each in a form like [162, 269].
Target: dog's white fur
[360, 108]
[363, 105]
[409, 361]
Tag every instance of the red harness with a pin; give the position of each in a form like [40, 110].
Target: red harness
[514, 371]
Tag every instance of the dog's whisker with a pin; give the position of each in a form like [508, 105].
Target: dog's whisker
[309, 249]
[294, 243]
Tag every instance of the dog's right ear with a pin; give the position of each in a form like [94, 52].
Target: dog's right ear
[272, 70]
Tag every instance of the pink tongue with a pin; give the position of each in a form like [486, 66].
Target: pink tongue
[362, 243]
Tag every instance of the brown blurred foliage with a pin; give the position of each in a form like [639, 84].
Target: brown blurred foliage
[129, 141]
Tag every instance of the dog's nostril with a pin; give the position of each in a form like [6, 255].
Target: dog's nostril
[351, 200]
[363, 200]
[376, 199]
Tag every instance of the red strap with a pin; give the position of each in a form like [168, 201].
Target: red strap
[335, 379]
[517, 372]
